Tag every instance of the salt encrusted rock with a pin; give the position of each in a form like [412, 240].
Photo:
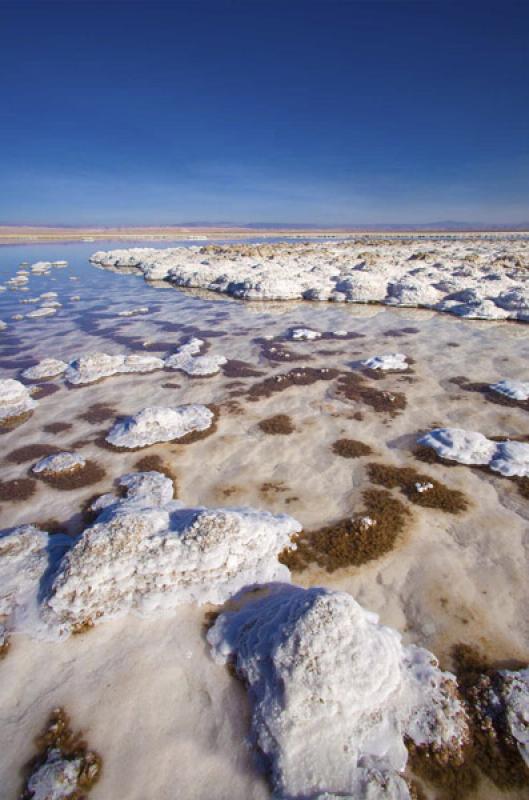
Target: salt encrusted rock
[41, 267]
[469, 447]
[27, 554]
[493, 283]
[58, 463]
[389, 361]
[304, 334]
[43, 311]
[48, 368]
[147, 553]
[187, 359]
[516, 390]
[333, 690]
[56, 779]
[515, 697]
[95, 366]
[160, 424]
[15, 399]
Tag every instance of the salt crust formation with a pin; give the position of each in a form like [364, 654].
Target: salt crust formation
[160, 424]
[187, 359]
[335, 693]
[515, 700]
[469, 447]
[47, 368]
[516, 390]
[56, 779]
[482, 277]
[43, 311]
[388, 362]
[95, 366]
[58, 463]
[15, 399]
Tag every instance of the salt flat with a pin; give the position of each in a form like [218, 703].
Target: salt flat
[144, 685]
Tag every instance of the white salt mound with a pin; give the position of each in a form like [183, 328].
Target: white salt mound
[335, 693]
[147, 553]
[469, 447]
[390, 361]
[47, 368]
[56, 779]
[43, 311]
[186, 359]
[58, 463]
[516, 699]
[15, 399]
[95, 366]
[516, 390]
[160, 424]
[132, 312]
[304, 334]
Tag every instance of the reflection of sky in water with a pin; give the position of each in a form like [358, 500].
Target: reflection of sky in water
[93, 322]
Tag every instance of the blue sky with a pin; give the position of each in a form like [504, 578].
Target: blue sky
[327, 112]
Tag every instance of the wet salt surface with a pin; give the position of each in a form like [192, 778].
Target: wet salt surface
[435, 587]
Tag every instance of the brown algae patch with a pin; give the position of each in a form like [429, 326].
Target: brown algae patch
[279, 424]
[352, 541]
[57, 427]
[44, 390]
[240, 369]
[302, 376]
[98, 412]
[18, 490]
[31, 452]
[354, 387]
[421, 489]
[351, 448]
[62, 759]
[10, 423]
[276, 351]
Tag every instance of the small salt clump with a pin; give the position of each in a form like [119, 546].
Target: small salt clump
[58, 463]
[516, 390]
[469, 447]
[304, 334]
[15, 399]
[160, 424]
[390, 361]
[187, 359]
[94, 366]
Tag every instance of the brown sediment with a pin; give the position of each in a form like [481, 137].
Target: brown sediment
[58, 736]
[10, 423]
[44, 390]
[400, 332]
[278, 424]
[273, 487]
[276, 350]
[171, 385]
[75, 478]
[301, 376]
[354, 387]
[31, 452]
[51, 526]
[155, 463]
[240, 369]
[406, 479]
[57, 427]
[18, 490]
[98, 412]
[232, 406]
[351, 448]
[352, 541]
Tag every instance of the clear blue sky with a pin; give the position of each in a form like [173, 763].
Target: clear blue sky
[256, 110]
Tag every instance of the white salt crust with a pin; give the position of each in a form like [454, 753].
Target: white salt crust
[58, 463]
[148, 553]
[187, 359]
[160, 424]
[15, 399]
[304, 334]
[516, 390]
[483, 277]
[389, 361]
[515, 697]
[94, 366]
[132, 312]
[47, 368]
[333, 691]
[469, 447]
[43, 311]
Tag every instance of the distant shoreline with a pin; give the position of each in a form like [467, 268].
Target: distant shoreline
[12, 234]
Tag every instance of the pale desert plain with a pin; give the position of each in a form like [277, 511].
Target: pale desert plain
[265, 516]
